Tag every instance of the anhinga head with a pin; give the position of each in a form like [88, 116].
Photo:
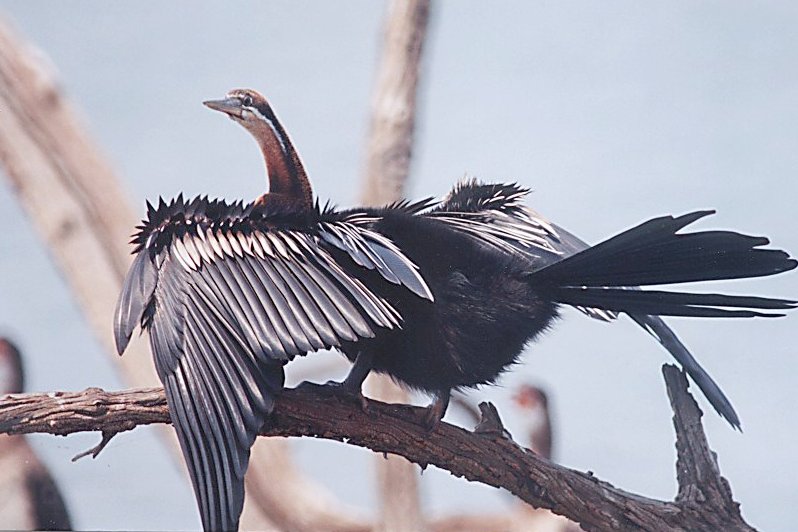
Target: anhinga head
[287, 178]
[246, 106]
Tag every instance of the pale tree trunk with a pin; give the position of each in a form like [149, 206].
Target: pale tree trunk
[388, 157]
[69, 192]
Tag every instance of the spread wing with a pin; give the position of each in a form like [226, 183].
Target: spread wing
[228, 299]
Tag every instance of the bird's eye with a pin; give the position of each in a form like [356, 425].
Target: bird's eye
[247, 101]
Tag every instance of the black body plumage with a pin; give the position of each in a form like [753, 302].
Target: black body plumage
[230, 292]
[438, 295]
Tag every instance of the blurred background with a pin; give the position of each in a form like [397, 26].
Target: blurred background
[611, 112]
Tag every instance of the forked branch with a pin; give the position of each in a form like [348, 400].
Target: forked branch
[704, 501]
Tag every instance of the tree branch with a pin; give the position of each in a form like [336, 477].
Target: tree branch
[700, 482]
[489, 457]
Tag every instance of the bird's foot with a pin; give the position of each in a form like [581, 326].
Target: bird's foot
[432, 418]
[337, 388]
[435, 412]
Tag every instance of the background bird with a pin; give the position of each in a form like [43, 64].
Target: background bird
[534, 402]
[438, 296]
[30, 497]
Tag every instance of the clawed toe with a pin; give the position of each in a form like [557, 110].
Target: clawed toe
[337, 388]
[436, 410]
[431, 420]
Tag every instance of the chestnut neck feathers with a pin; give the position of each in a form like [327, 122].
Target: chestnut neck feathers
[287, 177]
[288, 182]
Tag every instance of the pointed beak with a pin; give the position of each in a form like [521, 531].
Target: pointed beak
[228, 106]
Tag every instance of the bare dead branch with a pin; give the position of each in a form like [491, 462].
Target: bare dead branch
[388, 154]
[68, 191]
[393, 113]
[398, 429]
[701, 485]
[95, 451]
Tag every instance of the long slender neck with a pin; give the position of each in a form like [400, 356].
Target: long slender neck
[287, 178]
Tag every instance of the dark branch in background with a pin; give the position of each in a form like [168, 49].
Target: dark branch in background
[704, 501]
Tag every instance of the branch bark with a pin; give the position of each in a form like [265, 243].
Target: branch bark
[486, 457]
[701, 485]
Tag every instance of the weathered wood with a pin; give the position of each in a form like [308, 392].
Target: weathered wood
[489, 458]
[393, 108]
[69, 192]
[701, 485]
[388, 152]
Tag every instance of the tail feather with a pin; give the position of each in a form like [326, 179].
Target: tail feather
[652, 253]
[606, 276]
[668, 339]
[662, 303]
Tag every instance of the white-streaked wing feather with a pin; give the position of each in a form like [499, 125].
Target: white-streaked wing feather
[226, 308]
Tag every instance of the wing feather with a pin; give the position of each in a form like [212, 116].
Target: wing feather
[373, 251]
[364, 298]
[302, 331]
[227, 301]
[208, 377]
[189, 434]
[203, 394]
[136, 294]
[298, 303]
[326, 297]
[494, 215]
[228, 371]
[300, 283]
[271, 336]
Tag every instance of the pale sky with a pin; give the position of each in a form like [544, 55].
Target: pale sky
[612, 112]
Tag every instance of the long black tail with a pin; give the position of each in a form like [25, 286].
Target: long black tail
[655, 326]
[654, 254]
